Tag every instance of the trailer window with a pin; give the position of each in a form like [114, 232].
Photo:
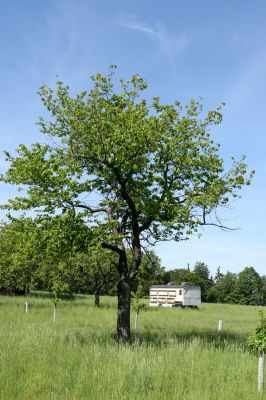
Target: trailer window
[180, 292]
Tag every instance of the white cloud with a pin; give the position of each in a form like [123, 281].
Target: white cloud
[249, 86]
[170, 43]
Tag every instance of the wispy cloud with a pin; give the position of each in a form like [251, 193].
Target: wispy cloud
[249, 85]
[170, 43]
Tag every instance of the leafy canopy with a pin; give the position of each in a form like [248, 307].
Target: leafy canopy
[132, 169]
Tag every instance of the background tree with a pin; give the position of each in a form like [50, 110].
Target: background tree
[226, 288]
[96, 272]
[249, 286]
[202, 278]
[179, 276]
[150, 273]
[21, 255]
[138, 172]
[263, 295]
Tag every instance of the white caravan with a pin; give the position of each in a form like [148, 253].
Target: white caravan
[170, 295]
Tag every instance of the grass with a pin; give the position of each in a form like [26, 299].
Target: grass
[175, 353]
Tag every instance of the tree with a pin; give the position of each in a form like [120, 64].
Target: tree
[20, 255]
[150, 273]
[137, 172]
[249, 286]
[96, 272]
[179, 276]
[226, 288]
[218, 276]
[263, 297]
[202, 278]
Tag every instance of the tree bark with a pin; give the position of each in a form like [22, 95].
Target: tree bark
[97, 298]
[123, 318]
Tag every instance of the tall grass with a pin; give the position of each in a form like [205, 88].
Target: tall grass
[174, 354]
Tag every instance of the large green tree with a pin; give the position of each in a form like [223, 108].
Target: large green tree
[139, 173]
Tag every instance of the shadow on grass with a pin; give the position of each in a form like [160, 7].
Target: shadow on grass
[204, 338]
[162, 341]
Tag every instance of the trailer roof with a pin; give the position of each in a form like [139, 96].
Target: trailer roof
[175, 286]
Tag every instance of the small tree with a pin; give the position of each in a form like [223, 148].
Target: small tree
[139, 173]
[257, 342]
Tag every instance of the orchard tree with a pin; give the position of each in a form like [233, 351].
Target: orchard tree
[96, 271]
[63, 238]
[139, 173]
[21, 254]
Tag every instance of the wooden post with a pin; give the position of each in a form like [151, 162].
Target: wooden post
[261, 374]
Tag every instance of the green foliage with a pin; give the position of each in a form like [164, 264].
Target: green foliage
[246, 287]
[226, 288]
[20, 254]
[138, 304]
[257, 342]
[202, 278]
[133, 173]
[249, 286]
[178, 276]
[156, 160]
[150, 273]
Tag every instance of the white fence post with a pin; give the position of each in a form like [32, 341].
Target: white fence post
[220, 326]
[26, 307]
[261, 374]
[54, 315]
[136, 320]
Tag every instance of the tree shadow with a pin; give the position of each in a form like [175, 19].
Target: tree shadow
[206, 339]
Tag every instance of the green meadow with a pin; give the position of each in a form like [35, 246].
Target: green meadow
[174, 354]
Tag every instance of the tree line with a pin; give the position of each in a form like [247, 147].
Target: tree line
[246, 287]
[55, 257]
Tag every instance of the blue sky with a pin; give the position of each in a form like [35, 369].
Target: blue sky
[184, 49]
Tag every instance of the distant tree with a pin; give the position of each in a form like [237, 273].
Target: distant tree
[249, 286]
[151, 273]
[263, 294]
[179, 276]
[202, 278]
[218, 276]
[95, 272]
[138, 173]
[211, 295]
[227, 288]
[20, 254]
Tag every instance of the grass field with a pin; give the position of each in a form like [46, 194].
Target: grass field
[175, 354]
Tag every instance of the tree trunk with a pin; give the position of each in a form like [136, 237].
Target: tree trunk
[97, 298]
[123, 319]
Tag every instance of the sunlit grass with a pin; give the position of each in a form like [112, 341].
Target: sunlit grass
[174, 354]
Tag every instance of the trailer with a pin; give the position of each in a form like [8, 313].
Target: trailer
[171, 295]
